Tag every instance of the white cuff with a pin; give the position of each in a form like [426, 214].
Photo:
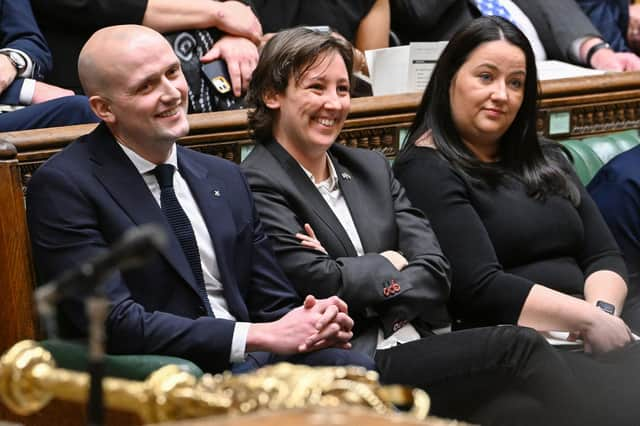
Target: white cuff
[574, 52]
[239, 342]
[27, 90]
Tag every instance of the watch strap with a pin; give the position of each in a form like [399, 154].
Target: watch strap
[593, 49]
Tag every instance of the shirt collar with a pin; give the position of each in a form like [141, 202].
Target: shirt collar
[329, 183]
[145, 166]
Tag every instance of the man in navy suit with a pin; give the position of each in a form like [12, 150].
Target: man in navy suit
[234, 308]
[616, 191]
[24, 59]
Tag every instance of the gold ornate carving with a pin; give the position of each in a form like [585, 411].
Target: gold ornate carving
[29, 379]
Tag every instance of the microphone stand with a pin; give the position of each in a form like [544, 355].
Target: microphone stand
[132, 250]
[97, 308]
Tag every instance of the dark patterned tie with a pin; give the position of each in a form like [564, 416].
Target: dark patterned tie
[181, 225]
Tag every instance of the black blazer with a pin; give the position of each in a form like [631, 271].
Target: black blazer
[287, 199]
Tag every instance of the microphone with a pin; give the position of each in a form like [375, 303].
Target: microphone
[133, 249]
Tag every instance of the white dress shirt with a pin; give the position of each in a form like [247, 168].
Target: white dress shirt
[524, 23]
[210, 271]
[330, 191]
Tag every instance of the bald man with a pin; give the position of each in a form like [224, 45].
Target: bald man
[216, 295]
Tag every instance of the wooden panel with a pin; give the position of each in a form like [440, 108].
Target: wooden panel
[16, 274]
[62, 413]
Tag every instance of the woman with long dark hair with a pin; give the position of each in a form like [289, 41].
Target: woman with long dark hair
[522, 235]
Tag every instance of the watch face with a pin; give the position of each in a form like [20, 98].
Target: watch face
[606, 306]
[17, 60]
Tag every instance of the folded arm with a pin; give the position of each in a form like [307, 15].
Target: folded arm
[231, 17]
[364, 282]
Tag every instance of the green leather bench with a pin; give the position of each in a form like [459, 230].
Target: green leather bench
[590, 154]
[73, 356]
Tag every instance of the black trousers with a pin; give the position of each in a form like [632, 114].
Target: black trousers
[611, 383]
[499, 376]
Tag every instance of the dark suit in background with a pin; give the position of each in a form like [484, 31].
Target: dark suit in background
[19, 31]
[84, 199]
[616, 191]
[558, 22]
[68, 24]
[611, 18]
[480, 374]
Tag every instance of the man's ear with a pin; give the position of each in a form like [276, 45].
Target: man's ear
[271, 99]
[102, 108]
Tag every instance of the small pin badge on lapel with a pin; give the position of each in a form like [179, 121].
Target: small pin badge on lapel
[216, 193]
[345, 176]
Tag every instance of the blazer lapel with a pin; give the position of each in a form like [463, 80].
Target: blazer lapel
[123, 181]
[352, 189]
[311, 194]
[211, 196]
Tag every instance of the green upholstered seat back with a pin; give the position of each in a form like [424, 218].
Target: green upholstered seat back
[591, 153]
[73, 356]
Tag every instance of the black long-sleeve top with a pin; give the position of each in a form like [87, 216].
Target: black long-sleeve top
[501, 241]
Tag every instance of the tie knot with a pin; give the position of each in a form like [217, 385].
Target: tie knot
[164, 174]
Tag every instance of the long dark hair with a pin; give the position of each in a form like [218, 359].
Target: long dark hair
[521, 153]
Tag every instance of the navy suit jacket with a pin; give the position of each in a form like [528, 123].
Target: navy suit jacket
[84, 198]
[616, 191]
[611, 18]
[19, 30]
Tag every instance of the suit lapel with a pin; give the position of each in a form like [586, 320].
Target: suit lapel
[353, 189]
[211, 195]
[123, 181]
[311, 195]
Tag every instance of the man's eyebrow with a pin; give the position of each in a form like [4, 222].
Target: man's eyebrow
[153, 76]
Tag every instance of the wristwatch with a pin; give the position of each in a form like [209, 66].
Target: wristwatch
[17, 60]
[593, 49]
[606, 306]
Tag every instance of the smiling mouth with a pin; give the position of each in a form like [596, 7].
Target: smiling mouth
[171, 112]
[327, 122]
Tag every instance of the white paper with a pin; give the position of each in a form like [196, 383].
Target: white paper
[561, 338]
[422, 59]
[388, 70]
[402, 69]
[550, 70]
